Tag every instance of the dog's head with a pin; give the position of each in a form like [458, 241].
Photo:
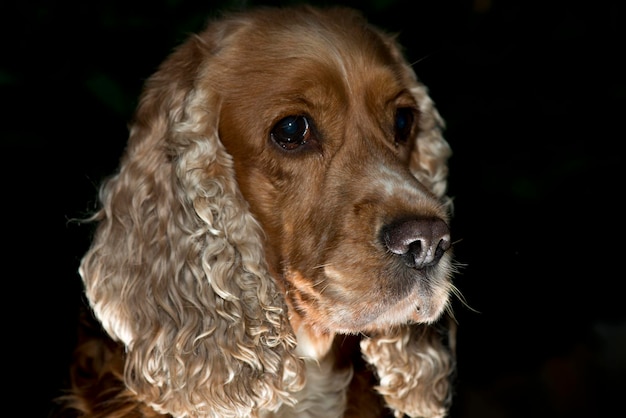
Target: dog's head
[281, 158]
[337, 150]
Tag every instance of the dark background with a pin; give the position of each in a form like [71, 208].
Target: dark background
[533, 93]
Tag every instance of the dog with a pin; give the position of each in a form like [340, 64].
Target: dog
[276, 241]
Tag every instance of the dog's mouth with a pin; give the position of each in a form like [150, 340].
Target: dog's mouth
[349, 301]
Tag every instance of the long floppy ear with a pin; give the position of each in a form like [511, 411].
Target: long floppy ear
[429, 161]
[176, 269]
[414, 366]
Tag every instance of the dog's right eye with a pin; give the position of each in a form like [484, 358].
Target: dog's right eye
[291, 132]
[403, 124]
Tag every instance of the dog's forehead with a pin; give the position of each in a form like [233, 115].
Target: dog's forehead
[276, 35]
[266, 57]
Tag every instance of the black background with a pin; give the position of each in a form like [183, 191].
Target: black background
[533, 93]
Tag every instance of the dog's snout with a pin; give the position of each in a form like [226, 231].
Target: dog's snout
[420, 242]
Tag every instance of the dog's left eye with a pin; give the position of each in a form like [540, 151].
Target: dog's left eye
[403, 124]
[291, 132]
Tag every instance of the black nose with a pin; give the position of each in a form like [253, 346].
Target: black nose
[420, 242]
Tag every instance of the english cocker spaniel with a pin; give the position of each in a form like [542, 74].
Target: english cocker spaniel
[276, 240]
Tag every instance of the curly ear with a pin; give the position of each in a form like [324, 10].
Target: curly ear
[429, 161]
[176, 269]
[414, 368]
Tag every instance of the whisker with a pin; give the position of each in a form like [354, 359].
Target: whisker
[425, 57]
[461, 298]
[319, 282]
[324, 288]
[321, 266]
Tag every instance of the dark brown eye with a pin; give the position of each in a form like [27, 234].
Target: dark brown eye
[403, 124]
[291, 132]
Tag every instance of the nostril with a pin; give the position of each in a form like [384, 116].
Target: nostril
[420, 242]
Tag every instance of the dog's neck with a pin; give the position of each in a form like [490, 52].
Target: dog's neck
[325, 391]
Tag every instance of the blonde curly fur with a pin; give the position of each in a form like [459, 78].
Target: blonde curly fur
[176, 268]
[182, 271]
[414, 370]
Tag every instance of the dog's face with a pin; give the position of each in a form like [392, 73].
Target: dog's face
[322, 124]
[284, 181]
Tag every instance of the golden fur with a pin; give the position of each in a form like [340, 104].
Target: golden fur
[275, 243]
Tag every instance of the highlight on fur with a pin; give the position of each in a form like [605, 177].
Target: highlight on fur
[231, 255]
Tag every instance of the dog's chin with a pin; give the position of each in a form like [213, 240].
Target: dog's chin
[411, 310]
